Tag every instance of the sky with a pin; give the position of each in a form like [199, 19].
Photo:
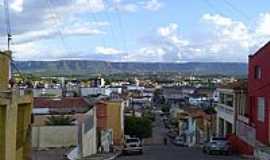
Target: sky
[136, 30]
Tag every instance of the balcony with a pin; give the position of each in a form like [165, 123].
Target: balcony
[226, 112]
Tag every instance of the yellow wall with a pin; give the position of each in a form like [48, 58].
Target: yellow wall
[23, 133]
[15, 127]
[115, 121]
[4, 70]
[2, 133]
[15, 117]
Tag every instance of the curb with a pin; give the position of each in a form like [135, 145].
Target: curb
[249, 157]
[114, 156]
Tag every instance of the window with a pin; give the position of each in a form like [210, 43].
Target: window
[258, 72]
[222, 98]
[229, 100]
[261, 108]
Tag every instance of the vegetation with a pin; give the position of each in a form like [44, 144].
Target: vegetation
[210, 110]
[149, 115]
[59, 120]
[138, 127]
[165, 109]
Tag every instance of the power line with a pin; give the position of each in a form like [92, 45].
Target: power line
[120, 22]
[59, 33]
[236, 9]
[7, 21]
[93, 14]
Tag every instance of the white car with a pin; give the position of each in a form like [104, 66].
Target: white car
[132, 145]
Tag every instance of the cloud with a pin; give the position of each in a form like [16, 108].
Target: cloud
[31, 21]
[145, 54]
[17, 5]
[152, 5]
[263, 24]
[224, 39]
[107, 50]
[124, 6]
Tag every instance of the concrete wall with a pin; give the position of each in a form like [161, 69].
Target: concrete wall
[54, 91]
[89, 145]
[94, 91]
[54, 136]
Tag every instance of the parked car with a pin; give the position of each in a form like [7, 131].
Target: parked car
[179, 141]
[218, 145]
[133, 145]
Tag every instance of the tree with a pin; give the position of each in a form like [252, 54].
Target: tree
[59, 120]
[138, 127]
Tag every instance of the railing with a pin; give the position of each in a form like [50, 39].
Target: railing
[225, 109]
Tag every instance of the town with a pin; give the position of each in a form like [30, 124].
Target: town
[134, 80]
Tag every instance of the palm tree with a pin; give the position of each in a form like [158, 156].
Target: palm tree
[59, 120]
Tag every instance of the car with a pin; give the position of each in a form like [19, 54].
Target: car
[179, 141]
[133, 145]
[217, 145]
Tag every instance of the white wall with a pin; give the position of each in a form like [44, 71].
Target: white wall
[54, 136]
[56, 91]
[89, 145]
[94, 91]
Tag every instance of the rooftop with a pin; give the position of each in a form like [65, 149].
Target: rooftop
[65, 102]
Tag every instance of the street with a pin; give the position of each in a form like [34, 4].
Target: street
[155, 150]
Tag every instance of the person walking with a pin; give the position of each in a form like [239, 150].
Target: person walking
[165, 140]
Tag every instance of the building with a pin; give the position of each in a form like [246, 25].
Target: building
[243, 138]
[15, 117]
[258, 95]
[99, 91]
[81, 132]
[98, 82]
[110, 115]
[194, 125]
[230, 107]
[177, 96]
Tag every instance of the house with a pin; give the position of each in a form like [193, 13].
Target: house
[98, 82]
[177, 96]
[194, 125]
[80, 132]
[88, 91]
[15, 117]
[243, 137]
[110, 115]
[258, 95]
[232, 101]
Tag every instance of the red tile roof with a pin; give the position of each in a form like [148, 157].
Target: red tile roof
[65, 102]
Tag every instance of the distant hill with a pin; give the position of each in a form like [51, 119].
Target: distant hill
[86, 67]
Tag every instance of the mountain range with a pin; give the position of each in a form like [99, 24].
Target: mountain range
[79, 67]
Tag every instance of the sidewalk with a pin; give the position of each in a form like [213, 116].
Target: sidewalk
[109, 156]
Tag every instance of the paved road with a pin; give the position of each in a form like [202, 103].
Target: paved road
[157, 151]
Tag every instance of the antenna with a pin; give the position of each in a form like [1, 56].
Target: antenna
[7, 19]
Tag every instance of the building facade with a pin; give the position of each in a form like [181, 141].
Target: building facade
[259, 99]
[259, 93]
[225, 112]
[15, 117]
[110, 115]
